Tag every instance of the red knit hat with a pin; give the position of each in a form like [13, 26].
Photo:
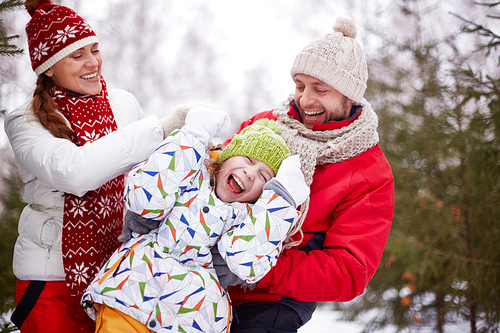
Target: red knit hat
[53, 32]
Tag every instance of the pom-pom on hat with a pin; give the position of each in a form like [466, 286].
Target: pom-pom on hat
[261, 141]
[336, 59]
[53, 32]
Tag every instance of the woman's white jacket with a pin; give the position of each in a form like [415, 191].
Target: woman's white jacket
[52, 166]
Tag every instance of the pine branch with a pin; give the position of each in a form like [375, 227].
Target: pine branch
[6, 48]
[473, 27]
[487, 4]
[10, 4]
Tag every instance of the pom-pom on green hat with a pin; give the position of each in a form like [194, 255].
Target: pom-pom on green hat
[261, 141]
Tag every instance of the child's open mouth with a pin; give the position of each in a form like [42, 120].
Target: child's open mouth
[235, 184]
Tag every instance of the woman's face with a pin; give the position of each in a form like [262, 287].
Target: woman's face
[79, 71]
[241, 179]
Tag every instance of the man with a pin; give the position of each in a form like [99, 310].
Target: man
[334, 130]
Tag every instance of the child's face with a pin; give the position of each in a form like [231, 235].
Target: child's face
[241, 179]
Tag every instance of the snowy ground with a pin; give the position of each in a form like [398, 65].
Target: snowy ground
[325, 320]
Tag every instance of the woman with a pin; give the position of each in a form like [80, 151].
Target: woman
[73, 142]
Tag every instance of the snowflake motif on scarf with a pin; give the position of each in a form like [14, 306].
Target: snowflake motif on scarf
[91, 223]
[77, 207]
[80, 273]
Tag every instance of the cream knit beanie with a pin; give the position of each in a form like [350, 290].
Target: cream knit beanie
[336, 59]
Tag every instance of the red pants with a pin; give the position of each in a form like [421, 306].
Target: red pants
[49, 313]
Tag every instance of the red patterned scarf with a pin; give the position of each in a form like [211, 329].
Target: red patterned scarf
[91, 223]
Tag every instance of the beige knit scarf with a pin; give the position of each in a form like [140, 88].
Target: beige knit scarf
[327, 147]
[324, 147]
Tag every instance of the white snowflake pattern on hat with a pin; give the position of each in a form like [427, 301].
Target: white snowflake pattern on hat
[40, 51]
[63, 35]
[57, 31]
[85, 26]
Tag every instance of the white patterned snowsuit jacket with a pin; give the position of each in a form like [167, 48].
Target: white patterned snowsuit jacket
[165, 279]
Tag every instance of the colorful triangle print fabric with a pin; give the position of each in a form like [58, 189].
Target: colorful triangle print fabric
[165, 279]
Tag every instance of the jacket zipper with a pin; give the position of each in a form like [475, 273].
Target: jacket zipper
[114, 269]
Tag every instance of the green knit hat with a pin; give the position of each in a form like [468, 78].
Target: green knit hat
[261, 141]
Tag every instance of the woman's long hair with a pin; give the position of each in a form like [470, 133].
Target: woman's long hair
[45, 109]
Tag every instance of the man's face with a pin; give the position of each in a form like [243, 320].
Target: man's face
[319, 103]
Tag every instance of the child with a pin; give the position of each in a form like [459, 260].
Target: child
[165, 280]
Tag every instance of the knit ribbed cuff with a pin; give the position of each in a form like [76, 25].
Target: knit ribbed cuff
[334, 76]
[64, 52]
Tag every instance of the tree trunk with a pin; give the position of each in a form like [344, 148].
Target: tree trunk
[441, 320]
[471, 294]
[471, 298]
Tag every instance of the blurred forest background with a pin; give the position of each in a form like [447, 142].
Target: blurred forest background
[434, 80]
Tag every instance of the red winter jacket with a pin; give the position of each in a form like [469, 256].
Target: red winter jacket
[345, 231]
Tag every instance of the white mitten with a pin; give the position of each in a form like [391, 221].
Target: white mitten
[292, 179]
[205, 123]
[175, 120]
